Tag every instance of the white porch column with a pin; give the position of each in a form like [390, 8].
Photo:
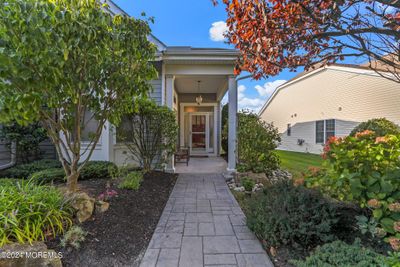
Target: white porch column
[169, 102]
[232, 123]
[169, 90]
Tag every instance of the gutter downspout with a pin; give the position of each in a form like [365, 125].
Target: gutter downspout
[13, 157]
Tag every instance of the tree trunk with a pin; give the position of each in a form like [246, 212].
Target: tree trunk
[72, 181]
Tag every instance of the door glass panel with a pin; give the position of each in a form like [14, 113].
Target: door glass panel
[198, 141]
[198, 124]
[198, 132]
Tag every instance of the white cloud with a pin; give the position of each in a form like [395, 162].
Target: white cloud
[254, 104]
[217, 31]
[268, 88]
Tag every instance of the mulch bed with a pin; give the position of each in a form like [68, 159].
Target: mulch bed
[120, 236]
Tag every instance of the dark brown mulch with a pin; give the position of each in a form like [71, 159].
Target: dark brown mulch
[120, 236]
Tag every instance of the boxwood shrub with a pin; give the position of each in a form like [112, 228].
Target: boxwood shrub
[287, 215]
[96, 170]
[24, 171]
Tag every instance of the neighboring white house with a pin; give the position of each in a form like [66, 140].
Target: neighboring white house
[184, 73]
[329, 101]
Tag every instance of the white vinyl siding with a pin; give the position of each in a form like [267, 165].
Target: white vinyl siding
[156, 93]
[345, 95]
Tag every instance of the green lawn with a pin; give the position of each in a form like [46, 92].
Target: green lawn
[298, 163]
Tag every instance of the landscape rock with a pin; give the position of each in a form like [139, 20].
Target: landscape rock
[239, 189]
[38, 255]
[83, 204]
[102, 206]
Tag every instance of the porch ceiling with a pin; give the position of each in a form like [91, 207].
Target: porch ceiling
[208, 84]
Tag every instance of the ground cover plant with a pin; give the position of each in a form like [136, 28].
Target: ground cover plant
[31, 212]
[132, 180]
[338, 253]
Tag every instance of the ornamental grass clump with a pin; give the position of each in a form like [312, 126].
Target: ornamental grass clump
[31, 212]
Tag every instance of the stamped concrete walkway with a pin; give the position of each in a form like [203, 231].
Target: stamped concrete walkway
[203, 225]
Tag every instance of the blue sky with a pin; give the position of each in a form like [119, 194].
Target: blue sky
[188, 23]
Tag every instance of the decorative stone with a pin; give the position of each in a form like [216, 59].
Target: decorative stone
[39, 256]
[83, 204]
[102, 206]
[239, 189]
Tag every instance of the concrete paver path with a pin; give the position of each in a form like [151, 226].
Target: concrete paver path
[203, 225]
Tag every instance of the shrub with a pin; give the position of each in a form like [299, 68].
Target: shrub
[256, 143]
[131, 181]
[24, 171]
[27, 139]
[96, 170]
[365, 169]
[48, 176]
[73, 237]
[380, 127]
[248, 184]
[289, 215]
[150, 133]
[339, 253]
[31, 212]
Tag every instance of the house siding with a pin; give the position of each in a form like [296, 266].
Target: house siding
[307, 132]
[47, 150]
[156, 93]
[346, 96]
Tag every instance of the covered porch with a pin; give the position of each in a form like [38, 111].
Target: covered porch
[194, 88]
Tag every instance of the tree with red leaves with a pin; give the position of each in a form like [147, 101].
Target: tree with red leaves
[276, 34]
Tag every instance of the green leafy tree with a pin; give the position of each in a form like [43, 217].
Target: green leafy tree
[63, 59]
[150, 133]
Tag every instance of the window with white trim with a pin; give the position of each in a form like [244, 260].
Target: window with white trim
[324, 129]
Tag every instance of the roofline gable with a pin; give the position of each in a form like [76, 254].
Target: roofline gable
[304, 75]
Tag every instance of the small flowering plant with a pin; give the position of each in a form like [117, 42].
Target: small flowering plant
[107, 195]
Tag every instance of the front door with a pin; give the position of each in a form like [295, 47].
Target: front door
[199, 134]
